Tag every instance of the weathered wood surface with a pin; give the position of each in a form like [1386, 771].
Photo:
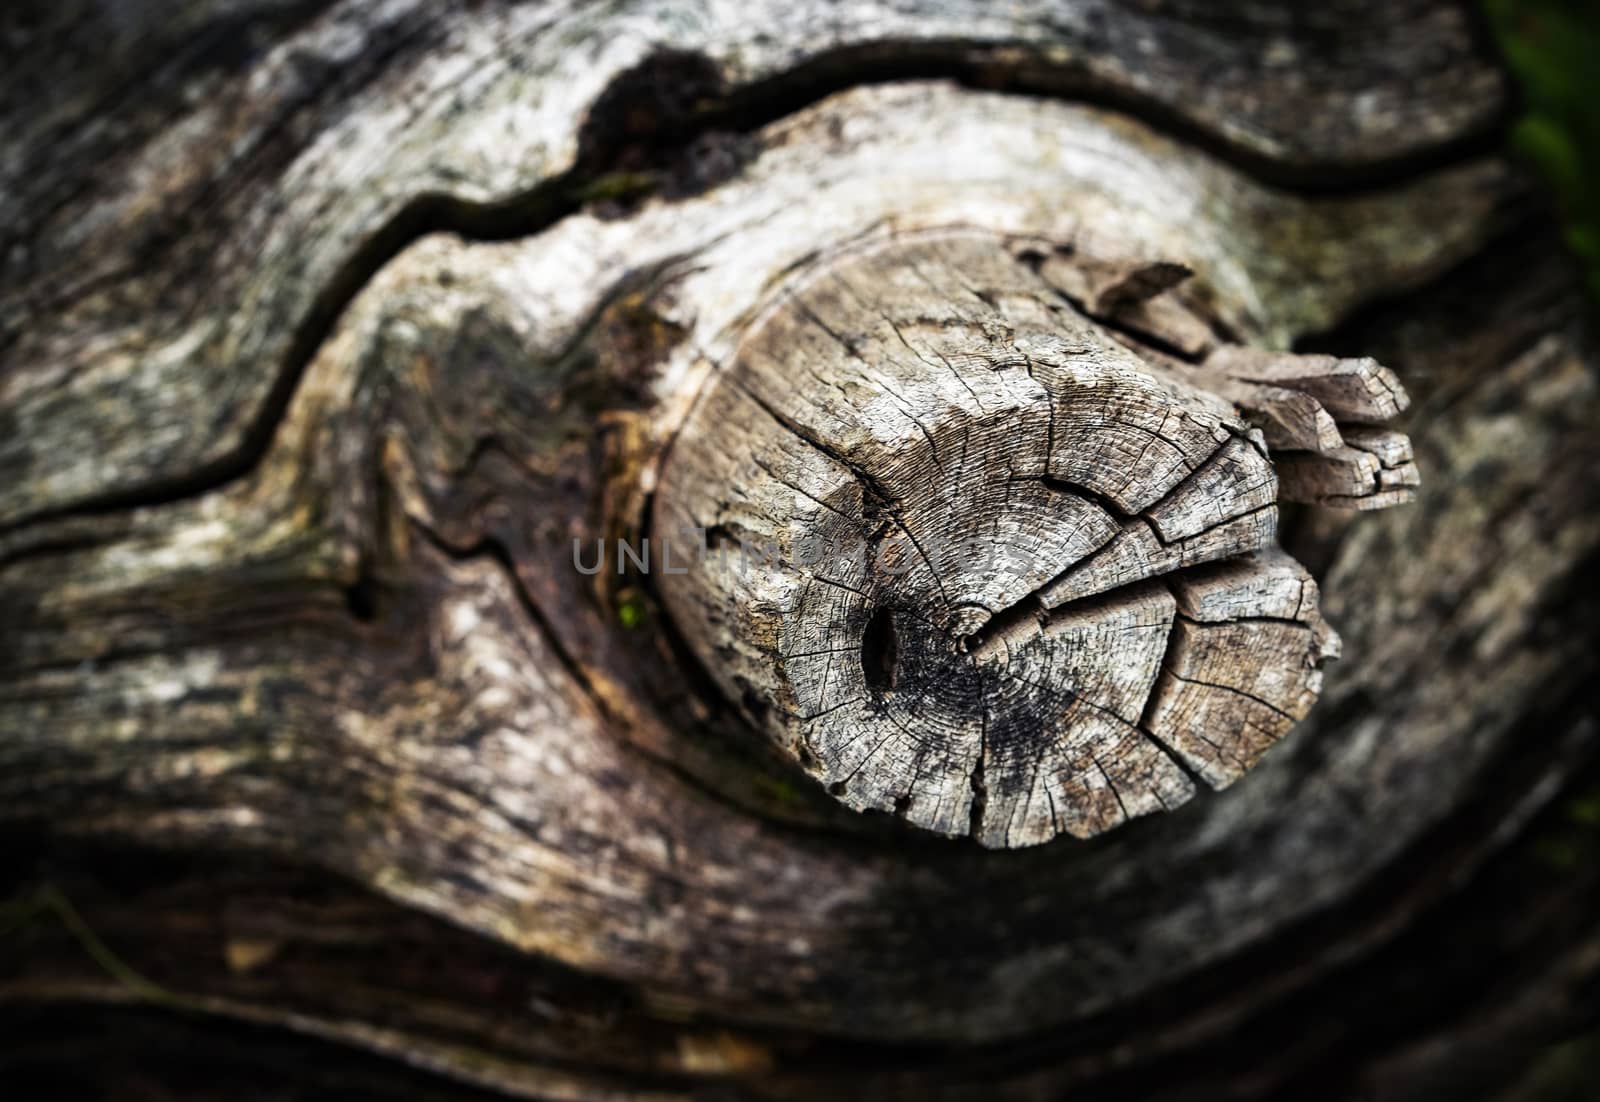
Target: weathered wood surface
[927, 518]
[277, 153]
[290, 484]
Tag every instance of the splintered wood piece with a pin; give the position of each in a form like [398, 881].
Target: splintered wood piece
[1373, 471]
[1244, 664]
[1115, 285]
[1391, 449]
[943, 515]
[1315, 413]
[1359, 389]
[1130, 293]
[1288, 419]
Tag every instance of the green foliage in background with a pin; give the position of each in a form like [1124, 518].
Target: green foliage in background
[1554, 48]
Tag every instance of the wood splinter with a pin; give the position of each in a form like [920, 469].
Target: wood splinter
[1317, 413]
[972, 561]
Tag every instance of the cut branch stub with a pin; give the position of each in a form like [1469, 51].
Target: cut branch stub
[951, 540]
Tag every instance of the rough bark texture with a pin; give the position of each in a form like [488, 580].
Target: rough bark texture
[328, 328]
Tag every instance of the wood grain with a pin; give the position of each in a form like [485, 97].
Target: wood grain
[318, 357]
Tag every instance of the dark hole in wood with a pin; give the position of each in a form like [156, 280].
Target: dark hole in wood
[718, 537]
[361, 597]
[753, 705]
[880, 651]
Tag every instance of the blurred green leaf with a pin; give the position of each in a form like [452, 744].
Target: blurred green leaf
[1553, 48]
[1549, 145]
[631, 612]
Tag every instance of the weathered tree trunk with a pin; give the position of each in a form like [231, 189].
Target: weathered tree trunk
[338, 336]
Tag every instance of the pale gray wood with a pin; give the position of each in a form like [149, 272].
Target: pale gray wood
[1360, 389]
